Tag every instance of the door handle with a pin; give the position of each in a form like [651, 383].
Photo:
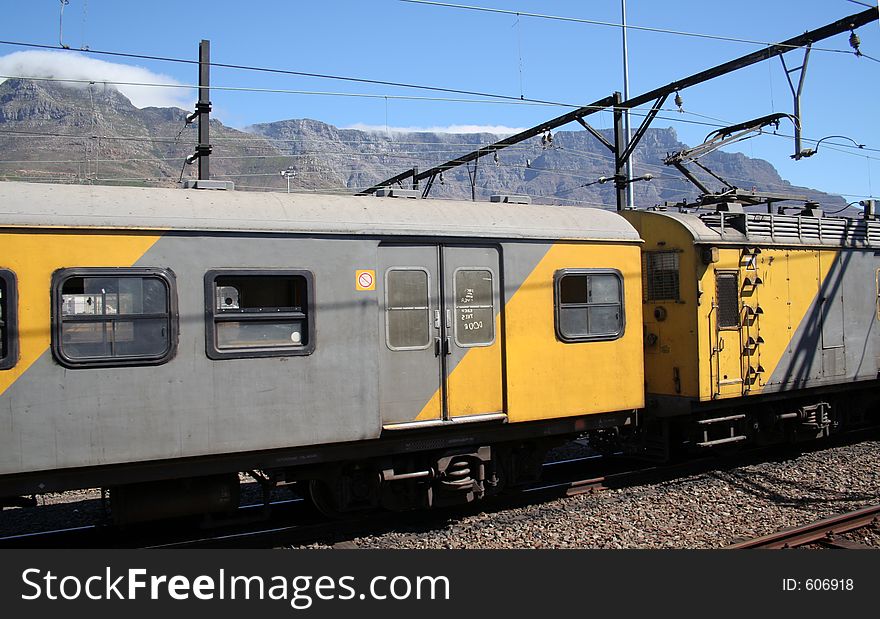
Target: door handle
[447, 346]
[448, 319]
[436, 346]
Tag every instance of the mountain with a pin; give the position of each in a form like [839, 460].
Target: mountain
[94, 134]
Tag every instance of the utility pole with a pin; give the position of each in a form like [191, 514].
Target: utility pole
[626, 125]
[622, 183]
[203, 109]
[203, 114]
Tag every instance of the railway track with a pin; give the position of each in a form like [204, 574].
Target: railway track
[293, 522]
[826, 533]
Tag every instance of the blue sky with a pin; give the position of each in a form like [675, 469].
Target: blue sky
[505, 54]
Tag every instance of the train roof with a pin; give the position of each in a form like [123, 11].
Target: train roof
[137, 208]
[766, 229]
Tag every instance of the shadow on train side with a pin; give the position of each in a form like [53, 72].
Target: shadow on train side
[806, 342]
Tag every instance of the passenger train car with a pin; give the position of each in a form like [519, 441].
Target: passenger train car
[385, 351]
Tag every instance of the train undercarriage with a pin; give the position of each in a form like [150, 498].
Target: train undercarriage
[486, 466]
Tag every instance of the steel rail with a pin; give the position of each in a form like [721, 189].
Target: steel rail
[821, 531]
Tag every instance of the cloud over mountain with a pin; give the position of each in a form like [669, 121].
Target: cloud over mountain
[131, 81]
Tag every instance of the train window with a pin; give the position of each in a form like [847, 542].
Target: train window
[661, 275]
[8, 320]
[589, 305]
[259, 314]
[474, 308]
[727, 289]
[407, 323]
[114, 317]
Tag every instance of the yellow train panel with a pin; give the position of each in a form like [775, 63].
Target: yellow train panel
[34, 257]
[720, 351]
[548, 378]
[776, 288]
[475, 384]
[671, 366]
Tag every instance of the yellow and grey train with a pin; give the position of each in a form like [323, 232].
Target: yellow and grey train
[758, 326]
[402, 353]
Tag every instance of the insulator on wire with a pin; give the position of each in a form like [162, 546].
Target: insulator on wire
[528, 163]
[854, 42]
[495, 157]
[679, 101]
[442, 182]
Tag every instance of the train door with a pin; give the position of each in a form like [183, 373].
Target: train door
[472, 367]
[727, 335]
[832, 313]
[440, 350]
[409, 347]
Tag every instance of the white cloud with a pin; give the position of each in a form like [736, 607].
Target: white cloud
[76, 66]
[493, 129]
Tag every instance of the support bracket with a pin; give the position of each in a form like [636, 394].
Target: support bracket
[595, 133]
[637, 136]
[796, 93]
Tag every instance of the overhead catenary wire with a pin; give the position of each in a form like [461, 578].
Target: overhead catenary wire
[327, 76]
[392, 155]
[657, 95]
[520, 99]
[401, 84]
[265, 139]
[68, 176]
[658, 171]
[289, 91]
[267, 142]
[596, 22]
[378, 96]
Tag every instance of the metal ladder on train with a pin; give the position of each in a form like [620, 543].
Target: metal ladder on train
[726, 428]
[751, 313]
[709, 424]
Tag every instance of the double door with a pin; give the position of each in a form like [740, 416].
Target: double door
[440, 346]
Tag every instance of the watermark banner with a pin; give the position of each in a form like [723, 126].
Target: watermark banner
[338, 583]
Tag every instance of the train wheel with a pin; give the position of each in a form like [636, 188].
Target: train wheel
[345, 492]
[324, 499]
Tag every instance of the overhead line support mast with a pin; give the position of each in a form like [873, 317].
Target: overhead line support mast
[623, 151]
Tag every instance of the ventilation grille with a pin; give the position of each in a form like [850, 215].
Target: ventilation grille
[661, 279]
[728, 300]
[836, 231]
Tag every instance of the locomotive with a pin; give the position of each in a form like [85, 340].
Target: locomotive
[758, 326]
[395, 353]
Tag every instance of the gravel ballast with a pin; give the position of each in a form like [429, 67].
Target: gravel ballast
[709, 510]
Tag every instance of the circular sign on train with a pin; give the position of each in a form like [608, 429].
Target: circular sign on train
[365, 280]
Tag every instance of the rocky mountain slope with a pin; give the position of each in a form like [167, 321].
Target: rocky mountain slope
[94, 134]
